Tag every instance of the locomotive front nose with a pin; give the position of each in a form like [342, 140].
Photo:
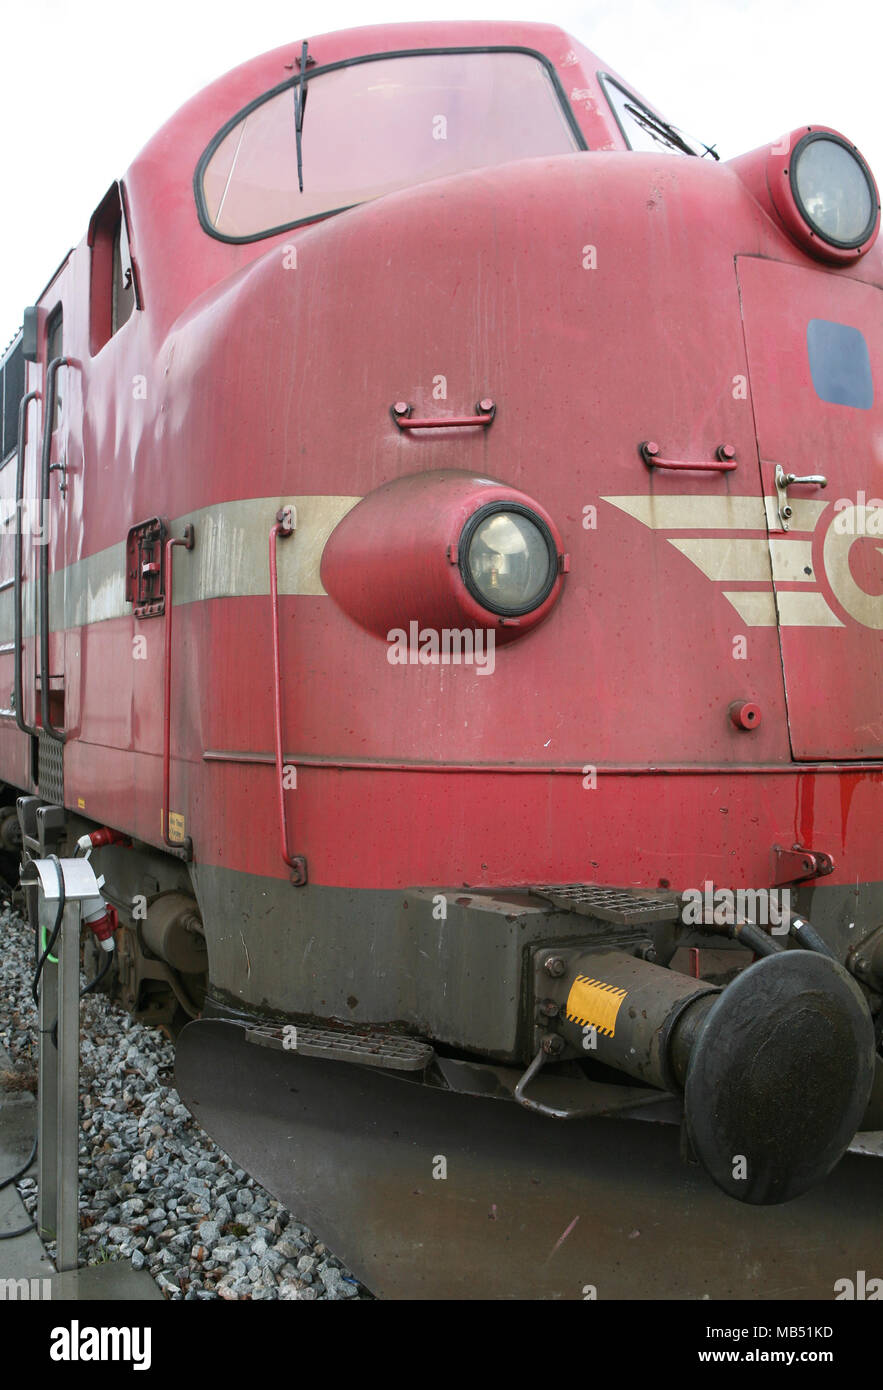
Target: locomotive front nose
[776, 1069]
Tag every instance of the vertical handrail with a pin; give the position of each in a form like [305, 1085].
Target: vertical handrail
[185, 844]
[45, 677]
[18, 636]
[286, 521]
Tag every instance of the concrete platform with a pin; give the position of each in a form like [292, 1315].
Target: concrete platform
[25, 1258]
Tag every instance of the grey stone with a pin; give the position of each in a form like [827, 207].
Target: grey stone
[209, 1232]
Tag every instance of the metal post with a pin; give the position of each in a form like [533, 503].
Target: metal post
[68, 1089]
[59, 1064]
[47, 1143]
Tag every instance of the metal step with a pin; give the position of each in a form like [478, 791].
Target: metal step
[622, 906]
[367, 1049]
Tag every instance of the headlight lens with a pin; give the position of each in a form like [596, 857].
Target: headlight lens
[508, 558]
[834, 190]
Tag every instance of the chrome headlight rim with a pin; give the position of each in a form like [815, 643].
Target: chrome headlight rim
[811, 137]
[467, 534]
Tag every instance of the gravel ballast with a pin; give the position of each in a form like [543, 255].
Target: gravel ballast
[154, 1189]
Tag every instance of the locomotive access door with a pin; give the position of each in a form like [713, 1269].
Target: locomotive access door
[814, 341]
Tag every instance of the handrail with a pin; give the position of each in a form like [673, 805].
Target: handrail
[485, 413]
[17, 696]
[725, 462]
[286, 521]
[184, 846]
[45, 678]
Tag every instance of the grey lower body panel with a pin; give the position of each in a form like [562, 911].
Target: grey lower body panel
[368, 957]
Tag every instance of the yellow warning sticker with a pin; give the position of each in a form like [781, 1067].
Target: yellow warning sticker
[175, 824]
[81, 803]
[591, 1002]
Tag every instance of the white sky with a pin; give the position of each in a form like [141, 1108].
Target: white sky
[85, 83]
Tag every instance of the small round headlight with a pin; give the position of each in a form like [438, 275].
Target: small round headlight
[508, 558]
[834, 189]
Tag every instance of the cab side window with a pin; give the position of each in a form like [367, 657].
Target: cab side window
[112, 291]
[12, 388]
[55, 348]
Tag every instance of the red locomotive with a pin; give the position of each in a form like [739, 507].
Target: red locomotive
[444, 545]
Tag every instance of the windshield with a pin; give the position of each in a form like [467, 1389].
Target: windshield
[372, 127]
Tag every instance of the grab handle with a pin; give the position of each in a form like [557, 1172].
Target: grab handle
[725, 462]
[48, 416]
[17, 618]
[484, 416]
[285, 524]
[184, 846]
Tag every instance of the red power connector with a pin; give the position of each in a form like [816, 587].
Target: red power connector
[103, 922]
[99, 838]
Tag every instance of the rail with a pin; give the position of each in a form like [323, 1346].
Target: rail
[285, 524]
[45, 677]
[724, 462]
[183, 847]
[484, 415]
[17, 697]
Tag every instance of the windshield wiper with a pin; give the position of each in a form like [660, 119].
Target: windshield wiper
[300, 99]
[656, 126]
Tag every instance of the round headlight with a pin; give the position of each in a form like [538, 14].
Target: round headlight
[834, 190]
[508, 558]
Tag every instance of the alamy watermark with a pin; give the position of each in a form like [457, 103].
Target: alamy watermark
[27, 517]
[724, 907]
[13, 1289]
[447, 646]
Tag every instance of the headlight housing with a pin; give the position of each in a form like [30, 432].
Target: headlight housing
[824, 193]
[508, 559]
[446, 549]
[834, 190]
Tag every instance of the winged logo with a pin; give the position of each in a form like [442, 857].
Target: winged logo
[769, 576]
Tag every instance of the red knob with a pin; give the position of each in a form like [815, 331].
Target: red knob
[745, 715]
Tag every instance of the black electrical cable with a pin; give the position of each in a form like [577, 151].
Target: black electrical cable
[22, 1231]
[7, 1182]
[87, 989]
[805, 934]
[93, 984]
[755, 938]
[53, 937]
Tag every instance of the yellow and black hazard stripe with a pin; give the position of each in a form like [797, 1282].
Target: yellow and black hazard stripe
[592, 1003]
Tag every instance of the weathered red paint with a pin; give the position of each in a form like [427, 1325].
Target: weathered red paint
[262, 384]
